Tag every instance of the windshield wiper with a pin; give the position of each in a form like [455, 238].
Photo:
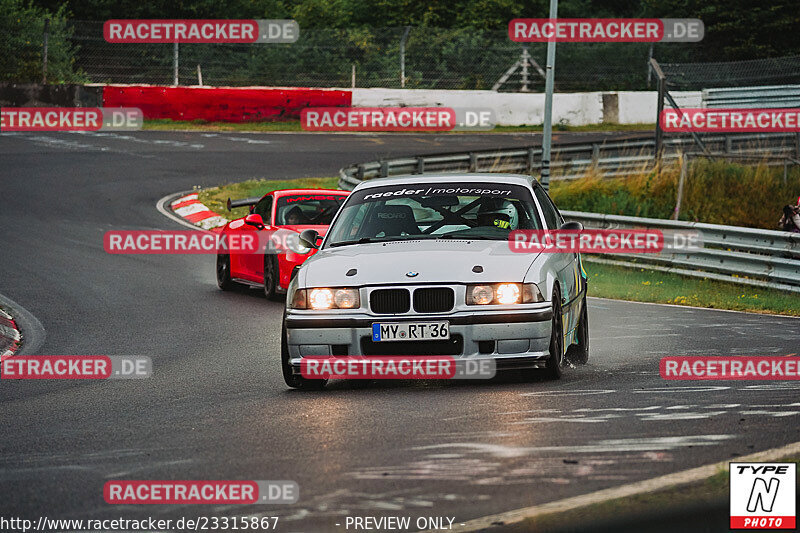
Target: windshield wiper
[455, 235]
[362, 240]
[366, 240]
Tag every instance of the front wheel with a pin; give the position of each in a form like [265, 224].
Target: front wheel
[271, 277]
[555, 362]
[295, 381]
[579, 353]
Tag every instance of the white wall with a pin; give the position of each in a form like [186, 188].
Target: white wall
[515, 109]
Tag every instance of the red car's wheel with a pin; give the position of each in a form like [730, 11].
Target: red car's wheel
[224, 280]
[271, 277]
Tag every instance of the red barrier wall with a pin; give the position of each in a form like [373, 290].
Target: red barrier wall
[223, 104]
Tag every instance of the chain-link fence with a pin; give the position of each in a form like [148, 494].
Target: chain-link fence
[755, 72]
[415, 58]
[433, 59]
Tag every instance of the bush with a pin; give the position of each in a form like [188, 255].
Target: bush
[21, 44]
[715, 191]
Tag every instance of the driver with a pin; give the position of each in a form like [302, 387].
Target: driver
[498, 213]
[294, 216]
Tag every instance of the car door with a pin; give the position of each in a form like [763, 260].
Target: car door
[251, 266]
[566, 264]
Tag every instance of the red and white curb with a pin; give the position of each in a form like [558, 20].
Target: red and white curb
[9, 336]
[196, 212]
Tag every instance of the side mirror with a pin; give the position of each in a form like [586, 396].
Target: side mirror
[308, 237]
[254, 220]
[572, 225]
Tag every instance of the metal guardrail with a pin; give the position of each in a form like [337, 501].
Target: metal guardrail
[618, 158]
[771, 96]
[747, 256]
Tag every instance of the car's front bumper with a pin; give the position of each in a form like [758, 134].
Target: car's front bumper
[515, 338]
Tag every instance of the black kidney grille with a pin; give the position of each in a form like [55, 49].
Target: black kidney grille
[434, 300]
[390, 301]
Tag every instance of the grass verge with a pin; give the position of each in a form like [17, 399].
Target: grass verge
[625, 514]
[643, 285]
[716, 191]
[216, 198]
[201, 125]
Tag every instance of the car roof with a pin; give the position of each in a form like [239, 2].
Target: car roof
[447, 177]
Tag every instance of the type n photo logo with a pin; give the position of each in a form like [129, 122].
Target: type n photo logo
[763, 495]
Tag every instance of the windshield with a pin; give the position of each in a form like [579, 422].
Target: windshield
[435, 211]
[308, 209]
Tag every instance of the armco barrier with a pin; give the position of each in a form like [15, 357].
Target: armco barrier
[747, 256]
[618, 158]
[224, 104]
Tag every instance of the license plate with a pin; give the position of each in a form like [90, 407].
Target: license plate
[410, 331]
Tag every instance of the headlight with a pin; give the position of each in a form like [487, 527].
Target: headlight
[503, 294]
[320, 298]
[324, 298]
[507, 293]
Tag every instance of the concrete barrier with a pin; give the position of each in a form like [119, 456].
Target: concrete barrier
[516, 109]
[250, 104]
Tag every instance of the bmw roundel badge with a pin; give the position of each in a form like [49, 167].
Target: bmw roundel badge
[412, 274]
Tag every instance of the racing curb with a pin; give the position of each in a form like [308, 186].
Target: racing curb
[10, 336]
[192, 210]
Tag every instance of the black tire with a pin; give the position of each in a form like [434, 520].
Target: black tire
[555, 363]
[271, 277]
[579, 353]
[224, 280]
[296, 381]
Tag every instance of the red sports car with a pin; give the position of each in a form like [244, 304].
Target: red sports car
[292, 209]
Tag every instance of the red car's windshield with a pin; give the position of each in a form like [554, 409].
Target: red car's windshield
[307, 209]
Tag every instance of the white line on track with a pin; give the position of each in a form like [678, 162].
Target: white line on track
[625, 491]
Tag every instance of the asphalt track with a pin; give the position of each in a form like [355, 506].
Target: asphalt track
[216, 406]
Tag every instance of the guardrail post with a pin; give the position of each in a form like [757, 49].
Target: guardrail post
[728, 144]
[529, 163]
[473, 162]
[797, 145]
[384, 169]
[684, 164]
[360, 173]
[662, 86]
[595, 153]
[420, 165]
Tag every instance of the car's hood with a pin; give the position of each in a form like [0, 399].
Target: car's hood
[434, 261]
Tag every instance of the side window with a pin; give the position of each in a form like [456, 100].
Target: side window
[264, 208]
[551, 216]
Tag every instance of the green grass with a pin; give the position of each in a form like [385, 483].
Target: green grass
[294, 125]
[716, 191]
[201, 125]
[216, 198]
[643, 285]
